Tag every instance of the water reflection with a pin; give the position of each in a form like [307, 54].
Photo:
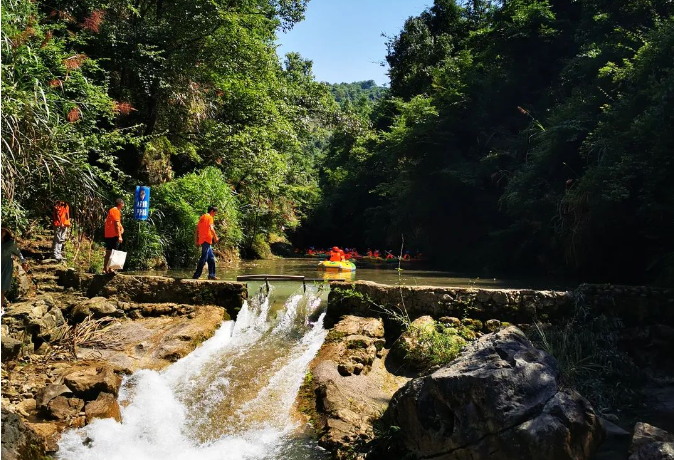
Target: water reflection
[386, 274]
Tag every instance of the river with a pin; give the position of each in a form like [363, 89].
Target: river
[386, 273]
[230, 399]
[233, 397]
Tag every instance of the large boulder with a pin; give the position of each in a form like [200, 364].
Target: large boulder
[40, 317]
[500, 399]
[105, 406]
[18, 442]
[651, 443]
[88, 382]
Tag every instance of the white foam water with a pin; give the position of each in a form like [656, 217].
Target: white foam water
[229, 399]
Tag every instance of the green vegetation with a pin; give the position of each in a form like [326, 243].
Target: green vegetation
[521, 135]
[432, 344]
[358, 94]
[188, 97]
[528, 135]
[592, 362]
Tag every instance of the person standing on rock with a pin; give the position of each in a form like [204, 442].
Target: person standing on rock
[61, 220]
[204, 236]
[9, 249]
[113, 232]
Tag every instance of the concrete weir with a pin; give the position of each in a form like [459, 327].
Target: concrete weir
[633, 304]
[158, 289]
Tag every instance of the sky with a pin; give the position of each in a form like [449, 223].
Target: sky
[344, 37]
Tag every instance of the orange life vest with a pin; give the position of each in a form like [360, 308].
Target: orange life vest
[62, 215]
[114, 215]
[204, 229]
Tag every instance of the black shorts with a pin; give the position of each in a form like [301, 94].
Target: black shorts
[112, 243]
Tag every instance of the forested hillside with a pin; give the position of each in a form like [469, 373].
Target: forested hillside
[189, 97]
[358, 92]
[516, 136]
[522, 135]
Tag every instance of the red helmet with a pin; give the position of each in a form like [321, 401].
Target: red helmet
[335, 248]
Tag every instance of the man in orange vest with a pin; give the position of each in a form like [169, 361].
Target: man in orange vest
[113, 232]
[61, 221]
[204, 236]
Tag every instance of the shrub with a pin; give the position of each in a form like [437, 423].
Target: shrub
[175, 210]
[591, 361]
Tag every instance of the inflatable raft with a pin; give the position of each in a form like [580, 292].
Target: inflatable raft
[343, 266]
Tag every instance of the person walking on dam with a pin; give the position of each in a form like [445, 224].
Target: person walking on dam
[113, 232]
[61, 221]
[204, 236]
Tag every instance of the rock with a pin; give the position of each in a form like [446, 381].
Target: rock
[408, 344]
[355, 325]
[26, 406]
[46, 394]
[48, 433]
[159, 289]
[105, 406]
[358, 342]
[41, 317]
[99, 307]
[62, 408]
[473, 324]
[651, 443]
[500, 399]
[18, 441]
[450, 321]
[24, 286]
[616, 442]
[500, 297]
[87, 383]
[492, 325]
[10, 347]
[349, 386]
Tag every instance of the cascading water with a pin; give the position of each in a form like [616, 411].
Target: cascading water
[229, 399]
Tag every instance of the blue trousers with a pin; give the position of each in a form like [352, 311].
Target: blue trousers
[206, 256]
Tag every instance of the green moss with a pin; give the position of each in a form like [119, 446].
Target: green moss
[335, 336]
[356, 344]
[430, 346]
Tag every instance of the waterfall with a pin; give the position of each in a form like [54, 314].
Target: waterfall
[231, 398]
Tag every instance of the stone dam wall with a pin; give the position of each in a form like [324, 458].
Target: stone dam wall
[633, 304]
[158, 289]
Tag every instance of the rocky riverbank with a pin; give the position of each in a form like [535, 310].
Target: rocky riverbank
[425, 372]
[66, 348]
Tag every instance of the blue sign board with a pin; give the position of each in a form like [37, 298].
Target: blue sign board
[141, 203]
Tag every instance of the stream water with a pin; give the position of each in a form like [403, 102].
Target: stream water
[232, 398]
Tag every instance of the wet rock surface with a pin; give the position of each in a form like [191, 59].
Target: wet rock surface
[500, 399]
[105, 406]
[47, 389]
[350, 386]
